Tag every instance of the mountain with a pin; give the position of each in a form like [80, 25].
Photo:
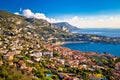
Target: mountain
[70, 28]
[12, 24]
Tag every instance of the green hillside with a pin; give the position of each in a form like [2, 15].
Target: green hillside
[27, 52]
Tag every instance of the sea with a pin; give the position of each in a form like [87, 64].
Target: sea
[100, 31]
[100, 48]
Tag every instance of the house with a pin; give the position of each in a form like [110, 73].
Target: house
[3, 51]
[61, 61]
[22, 65]
[30, 61]
[36, 55]
[64, 76]
[52, 66]
[17, 51]
[9, 56]
[117, 66]
[36, 58]
[84, 66]
[10, 63]
[29, 69]
[80, 67]
[76, 78]
[90, 69]
[115, 58]
[49, 54]
[73, 63]
[97, 67]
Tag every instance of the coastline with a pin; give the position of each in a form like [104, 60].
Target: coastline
[68, 42]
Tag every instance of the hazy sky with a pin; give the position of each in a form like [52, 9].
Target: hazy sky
[81, 13]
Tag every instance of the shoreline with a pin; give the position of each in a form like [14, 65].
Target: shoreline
[98, 50]
[69, 42]
[72, 42]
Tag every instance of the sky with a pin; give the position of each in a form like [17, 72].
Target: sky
[80, 13]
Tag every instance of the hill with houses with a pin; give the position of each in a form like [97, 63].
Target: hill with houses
[28, 52]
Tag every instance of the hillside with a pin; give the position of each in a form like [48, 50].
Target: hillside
[27, 52]
[66, 25]
[14, 24]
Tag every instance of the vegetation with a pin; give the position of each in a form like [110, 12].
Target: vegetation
[27, 52]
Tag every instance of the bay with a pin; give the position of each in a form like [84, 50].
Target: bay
[113, 49]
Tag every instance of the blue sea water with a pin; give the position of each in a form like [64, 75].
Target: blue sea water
[102, 31]
[113, 49]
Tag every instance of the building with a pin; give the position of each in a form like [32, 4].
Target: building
[9, 56]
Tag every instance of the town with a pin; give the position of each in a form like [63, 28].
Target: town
[28, 51]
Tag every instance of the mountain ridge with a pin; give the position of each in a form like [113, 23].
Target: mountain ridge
[66, 25]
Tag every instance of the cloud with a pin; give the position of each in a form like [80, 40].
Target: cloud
[94, 21]
[17, 13]
[100, 21]
[40, 16]
[27, 13]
